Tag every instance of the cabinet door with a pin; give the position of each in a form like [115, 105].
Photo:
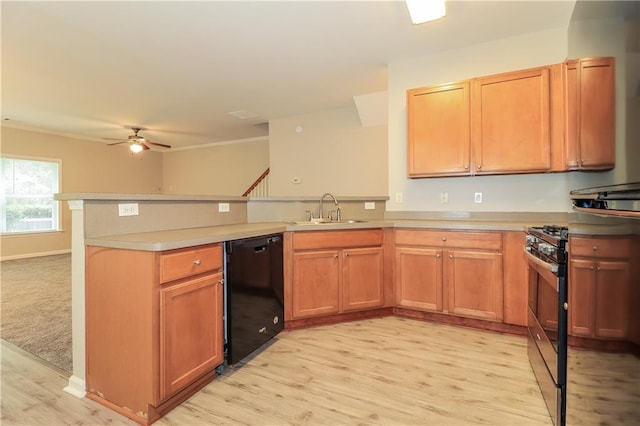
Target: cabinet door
[438, 132]
[418, 278]
[590, 97]
[474, 283]
[582, 290]
[515, 279]
[362, 278]
[511, 122]
[611, 299]
[191, 335]
[316, 283]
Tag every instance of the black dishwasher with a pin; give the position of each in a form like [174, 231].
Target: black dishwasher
[254, 294]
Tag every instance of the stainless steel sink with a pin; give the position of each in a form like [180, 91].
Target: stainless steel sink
[326, 222]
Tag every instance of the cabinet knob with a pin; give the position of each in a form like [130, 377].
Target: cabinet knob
[346, 255]
[595, 248]
[479, 166]
[591, 268]
[450, 256]
[466, 167]
[335, 256]
[438, 256]
[597, 268]
[444, 238]
[221, 282]
[197, 262]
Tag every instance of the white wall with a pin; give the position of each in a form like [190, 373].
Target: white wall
[536, 192]
[221, 169]
[328, 152]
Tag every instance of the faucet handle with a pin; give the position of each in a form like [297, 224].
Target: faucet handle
[339, 214]
[310, 214]
[330, 215]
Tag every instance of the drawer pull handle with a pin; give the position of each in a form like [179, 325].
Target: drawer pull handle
[197, 262]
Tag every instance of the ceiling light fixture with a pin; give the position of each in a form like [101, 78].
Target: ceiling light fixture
[425, 10]
[136, 148]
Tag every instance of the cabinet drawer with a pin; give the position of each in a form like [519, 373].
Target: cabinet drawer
[337, 239]
[461, 239]
[600, 247]
[176, 264]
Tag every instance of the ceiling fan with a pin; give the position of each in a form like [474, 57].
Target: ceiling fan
[138, 143]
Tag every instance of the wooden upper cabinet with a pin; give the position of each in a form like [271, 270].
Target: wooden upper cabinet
[438, 132]
[590, 113]
[511, 122]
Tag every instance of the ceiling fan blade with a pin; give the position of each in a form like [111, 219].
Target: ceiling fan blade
[112, 139]
[117, 143]
[144, 145]
[158, 144]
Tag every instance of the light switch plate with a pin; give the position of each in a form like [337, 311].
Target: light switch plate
[128, 209]
[398, 197]
[369, 205]
[444, 197]
[478, 197]
[223, 207]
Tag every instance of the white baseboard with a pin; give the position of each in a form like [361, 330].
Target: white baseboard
[30, 255]
[77, 387]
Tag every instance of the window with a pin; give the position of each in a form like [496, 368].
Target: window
[27, 203]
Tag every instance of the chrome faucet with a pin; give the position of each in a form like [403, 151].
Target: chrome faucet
[320, 210]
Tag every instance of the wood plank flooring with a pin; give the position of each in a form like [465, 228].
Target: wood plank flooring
[385, 371]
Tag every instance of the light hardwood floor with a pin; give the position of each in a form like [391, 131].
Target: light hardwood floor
[387, 371]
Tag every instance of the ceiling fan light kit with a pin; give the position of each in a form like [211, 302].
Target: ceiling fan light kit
[138, 143]
[136, 148]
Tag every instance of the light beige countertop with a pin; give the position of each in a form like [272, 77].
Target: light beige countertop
[180, 238]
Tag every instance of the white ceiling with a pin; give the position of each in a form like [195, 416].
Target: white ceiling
[176, 69]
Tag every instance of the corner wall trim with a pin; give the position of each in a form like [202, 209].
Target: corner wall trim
[77, 387]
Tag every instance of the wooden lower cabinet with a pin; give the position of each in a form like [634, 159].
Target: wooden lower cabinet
[362, 278]
[598, 298]
[419, 278]
[599, 287]
[154, 327]
[333, 272]
[450, 278]
[474, 283]
[316, 283]
[191, 332]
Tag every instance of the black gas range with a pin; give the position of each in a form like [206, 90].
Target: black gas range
[546, 249]
[548, 243]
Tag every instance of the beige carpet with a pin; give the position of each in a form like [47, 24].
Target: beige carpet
[36, 307]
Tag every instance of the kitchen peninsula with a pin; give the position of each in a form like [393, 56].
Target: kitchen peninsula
[168, 225]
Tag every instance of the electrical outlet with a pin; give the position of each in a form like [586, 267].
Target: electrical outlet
[478, 197]
[128, 209]
[444, 198]
[223, 207]
[369, 205]
[398, 197]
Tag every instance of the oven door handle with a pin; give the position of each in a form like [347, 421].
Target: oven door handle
[545, 265]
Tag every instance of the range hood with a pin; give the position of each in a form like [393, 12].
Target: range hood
[613, 200]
